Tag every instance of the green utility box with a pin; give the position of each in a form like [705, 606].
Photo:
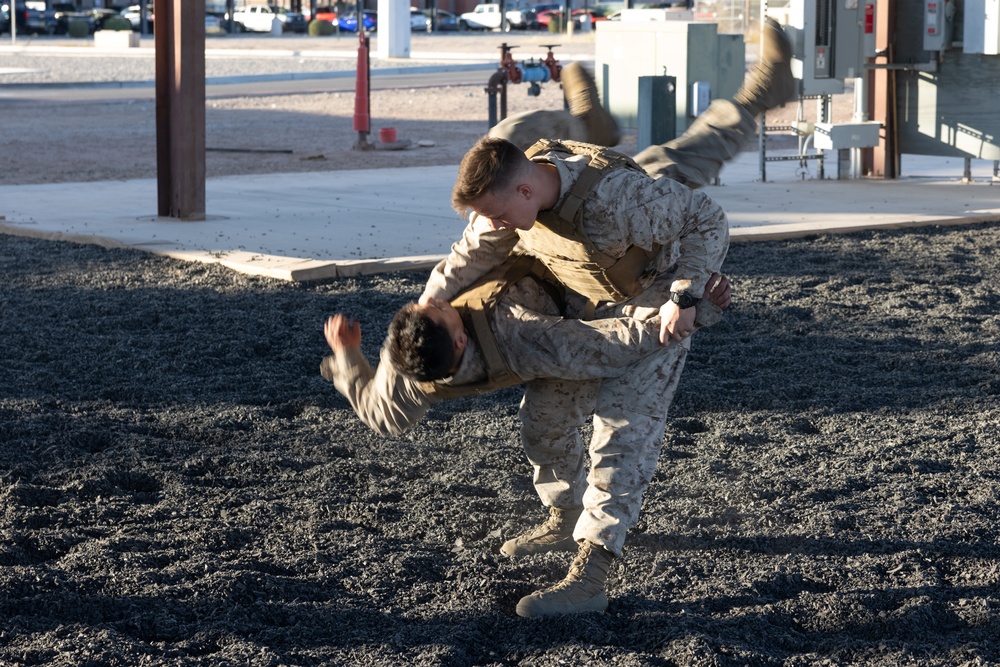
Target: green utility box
[690, 52]
[657, 115]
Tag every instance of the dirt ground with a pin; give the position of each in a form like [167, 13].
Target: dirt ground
[253, 134]
[180, 487]
[261, 134]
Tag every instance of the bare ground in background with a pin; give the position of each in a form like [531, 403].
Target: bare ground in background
[49, 142]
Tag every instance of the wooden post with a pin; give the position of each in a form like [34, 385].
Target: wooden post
[179, 39]
[881, 93]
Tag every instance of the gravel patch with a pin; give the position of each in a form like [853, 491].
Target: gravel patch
[180, 487]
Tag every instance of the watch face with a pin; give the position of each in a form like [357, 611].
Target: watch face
[683, 299]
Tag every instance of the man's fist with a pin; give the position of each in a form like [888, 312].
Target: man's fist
[342, 333]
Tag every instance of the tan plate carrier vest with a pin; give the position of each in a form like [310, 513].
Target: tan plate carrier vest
[558, 238]
[476, 305]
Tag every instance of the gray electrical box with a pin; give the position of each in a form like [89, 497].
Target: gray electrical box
[657, 111]
[934, 25]
[701, 97]
[841, 136]
[690, 52]
[828, 39]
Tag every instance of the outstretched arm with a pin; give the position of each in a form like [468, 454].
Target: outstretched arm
[382, 398]
[480, 250]
[342, 334]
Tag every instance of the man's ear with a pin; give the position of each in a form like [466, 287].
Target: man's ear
[461, 340]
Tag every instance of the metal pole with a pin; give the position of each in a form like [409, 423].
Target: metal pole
[860, 116]
[362, 89]
[762, 121]
[881, 100]
[760, 147]
[179, 47]
[824, 115]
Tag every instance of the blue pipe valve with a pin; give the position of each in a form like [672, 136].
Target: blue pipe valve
[534, 74]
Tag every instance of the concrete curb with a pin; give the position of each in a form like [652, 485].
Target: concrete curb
[296, 269]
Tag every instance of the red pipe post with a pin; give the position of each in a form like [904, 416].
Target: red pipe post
[362, 89]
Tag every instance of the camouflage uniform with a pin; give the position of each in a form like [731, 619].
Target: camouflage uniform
[537, 343]
[525, 128]
[694, 159]
[626, 208]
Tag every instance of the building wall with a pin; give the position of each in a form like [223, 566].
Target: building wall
[950, 112]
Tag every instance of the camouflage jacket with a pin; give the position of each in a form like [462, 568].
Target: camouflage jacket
[627, 208]
[537, 343]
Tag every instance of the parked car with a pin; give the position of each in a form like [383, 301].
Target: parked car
[66, 12]
[531, 14]
[253, 18]
[421, 20]
[486, 16]
[325, 14]
[595, 16]
[132, 14]
[31, 18]
[103, 14]
[544, 17]
[290, 21]
[418, 20]
[214, 25]
[349, 22]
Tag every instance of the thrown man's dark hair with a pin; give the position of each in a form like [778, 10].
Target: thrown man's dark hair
[418, 347]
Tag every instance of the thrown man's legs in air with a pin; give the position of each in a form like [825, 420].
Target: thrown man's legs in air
[696, 157]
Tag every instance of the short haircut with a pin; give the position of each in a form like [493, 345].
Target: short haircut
[489, 166]
[418, 347]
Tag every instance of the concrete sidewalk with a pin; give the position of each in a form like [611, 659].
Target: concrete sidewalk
[368, 221]
[377, 220]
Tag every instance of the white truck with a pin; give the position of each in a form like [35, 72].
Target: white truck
[256, 18]
[486, 16]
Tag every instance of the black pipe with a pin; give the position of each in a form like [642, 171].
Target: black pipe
[497, 84]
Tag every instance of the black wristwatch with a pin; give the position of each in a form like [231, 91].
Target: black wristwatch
[683, 300]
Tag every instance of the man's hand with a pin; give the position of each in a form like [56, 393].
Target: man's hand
[342, 333]
[719, 292]
[675, 324]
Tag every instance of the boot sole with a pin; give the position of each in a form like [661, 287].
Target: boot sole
[531, 607]
[565, 546]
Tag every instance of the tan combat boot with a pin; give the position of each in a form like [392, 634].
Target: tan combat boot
[555, 534]
[770, 82]
[580, 92]
[581, 591]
